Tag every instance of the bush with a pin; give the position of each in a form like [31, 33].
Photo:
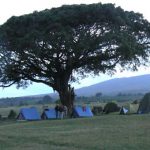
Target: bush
[111, 107]
[97, 110]
[12, 114]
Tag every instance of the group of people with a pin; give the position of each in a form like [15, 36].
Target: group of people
[61, 111]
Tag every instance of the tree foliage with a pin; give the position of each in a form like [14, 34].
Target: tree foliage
[12, 114]
[46, 100]
[99, 94]
[58, 46]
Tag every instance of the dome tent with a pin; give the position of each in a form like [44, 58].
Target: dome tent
[145, 104]
[129, 109]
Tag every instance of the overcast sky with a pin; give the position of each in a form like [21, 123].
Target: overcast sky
[10, 8]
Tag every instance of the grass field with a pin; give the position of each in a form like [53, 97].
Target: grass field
[107, 132]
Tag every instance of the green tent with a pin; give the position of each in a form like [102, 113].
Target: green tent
[129, 109]
[145, 104]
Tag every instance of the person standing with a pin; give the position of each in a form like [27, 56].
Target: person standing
[57, 111]
[65, 111]
[61, 111]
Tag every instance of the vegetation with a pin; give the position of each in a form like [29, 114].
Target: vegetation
[27, 101]
[105, 132]
[53, 46]
[99, 94]
[46, 100]
[19, 101]
[12, 114]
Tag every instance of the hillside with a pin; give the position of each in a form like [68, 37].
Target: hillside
[130, 85]
[136, 84]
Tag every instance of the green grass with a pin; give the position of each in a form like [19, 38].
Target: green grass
[107, 132]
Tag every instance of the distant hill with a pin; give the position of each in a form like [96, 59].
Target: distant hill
[136, 84]
[129, 85]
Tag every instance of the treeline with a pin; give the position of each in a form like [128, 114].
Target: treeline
[22, 101]
[120, 97]
[98, 97]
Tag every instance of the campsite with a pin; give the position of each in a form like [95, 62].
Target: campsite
[106, 131]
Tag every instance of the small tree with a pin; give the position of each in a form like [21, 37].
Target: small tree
[12, 114]
[99, 94]
[111, 107]
[47, 99]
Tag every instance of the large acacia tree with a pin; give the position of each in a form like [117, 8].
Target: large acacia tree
[57, 46]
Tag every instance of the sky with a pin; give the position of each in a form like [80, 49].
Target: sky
[10, 8]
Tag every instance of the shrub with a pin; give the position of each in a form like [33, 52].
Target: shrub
[12, 114]
[111, 107]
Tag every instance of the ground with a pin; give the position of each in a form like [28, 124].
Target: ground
[106, 132]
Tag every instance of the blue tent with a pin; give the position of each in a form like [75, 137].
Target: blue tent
[80, 111]
[29, 114]
[49, 114]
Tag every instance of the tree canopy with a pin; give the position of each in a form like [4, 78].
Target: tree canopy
[57, 46]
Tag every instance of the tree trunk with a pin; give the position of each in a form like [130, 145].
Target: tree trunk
[65, 91]
[67, 96]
